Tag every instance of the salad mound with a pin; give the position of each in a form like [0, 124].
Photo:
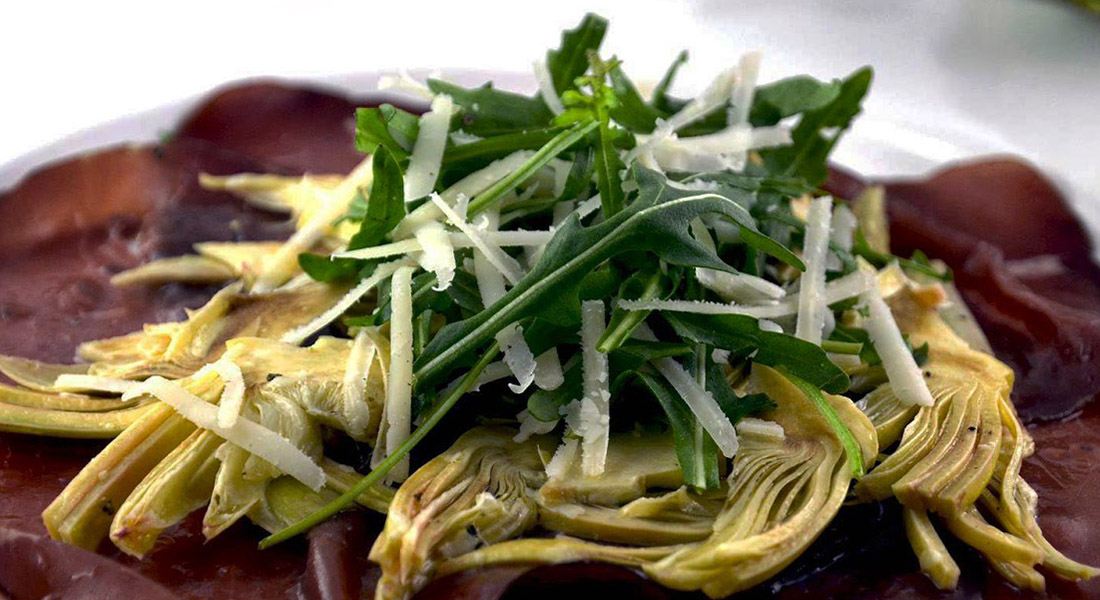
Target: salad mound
[588, 324]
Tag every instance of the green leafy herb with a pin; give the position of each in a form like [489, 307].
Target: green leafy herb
[487, 111]
[384, 207]
[659, 100]
[386, 126]
[695, 450]
[847, 440]
[570, 60]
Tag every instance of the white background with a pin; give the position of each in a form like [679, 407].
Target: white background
[953, 77]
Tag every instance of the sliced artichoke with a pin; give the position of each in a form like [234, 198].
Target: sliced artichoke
[477, 492]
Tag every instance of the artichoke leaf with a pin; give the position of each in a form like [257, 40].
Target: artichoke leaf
[64, 401]
[188, 268]
[35, 375]
[634, 464]
[477, 492]
[782, 494]
[178, 485]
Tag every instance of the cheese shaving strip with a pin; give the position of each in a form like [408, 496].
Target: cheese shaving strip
[595, 409]
[812, 304]
[456, 239]
[490, 284]
[232, 400]
[381, 272]
[751, 426]
[72, 382]
[403, 82]
[400, 384]
[901, 369]
[360, 359]
[507, 265]
[529, 426]
[469, 186]
[842, 233]
[249, 435]
[427, 155]
[702, 405]
[716, 151]
[546, 87]
[732, 287]
[438, 254]
[849, 286]
[745, 88]
[281, 265]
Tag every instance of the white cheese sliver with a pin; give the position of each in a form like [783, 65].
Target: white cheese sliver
[565, 456]
[232, 400]
[812, 304]
[518, 357]
[848, 286]
[738, 287]
[427, 154]
[72, 382]
[548, 372]
[507, 265]
[842, 233]
[400, 382]
[902, 371]
[438, 255]
[249, 435]
[356, 409]
[745, 88]
[595, 415]
[529, 426]
[546, 87]
[381, 272]
[469, 186]
[403, 82]
[702, 405]
[457, 239]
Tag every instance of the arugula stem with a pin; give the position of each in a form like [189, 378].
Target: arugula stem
[554, 147]
[841, 347]
[375, 476]
[847, 440]
[619, 332]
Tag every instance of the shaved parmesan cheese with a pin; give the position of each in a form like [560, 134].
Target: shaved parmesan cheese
[400, 384]
[529, 426]
[456, 239]
[702, 405]
[469, 186]
[548, 373]
[71, 382]
[546, 88]
[849, 286]
[772, 326]
[738, 287]
[565, 456]
[812, 305]
[403, 82]
[745, 88]
[281, 265]
[507, 265]
[356, 408]
[716, 94]
[232, 399]
[427, 155]
[595, 415]
[438, 255]
[842, 232]
[381, 272]
[760, 427]
[902, 371]
[249, 435]
[588, 206]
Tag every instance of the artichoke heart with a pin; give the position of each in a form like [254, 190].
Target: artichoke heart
[959, 459]
[480, 491]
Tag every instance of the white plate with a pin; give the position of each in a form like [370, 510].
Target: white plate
[874, 147]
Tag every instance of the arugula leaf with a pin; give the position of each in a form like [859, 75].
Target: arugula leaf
[659, 99]
[697, 454]
[788, 97]
[487, 111]
[847, 440]
[554, 147]
[329, 270]
[632, 111]
[742, 335]
[639, 286]
[580, 175]
[385, 205]
[463, 159]
[386, 126]
[818, 131]
[570, 60]
[736, 407]
[654, 222]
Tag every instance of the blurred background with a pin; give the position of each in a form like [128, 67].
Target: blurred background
[953, 78]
